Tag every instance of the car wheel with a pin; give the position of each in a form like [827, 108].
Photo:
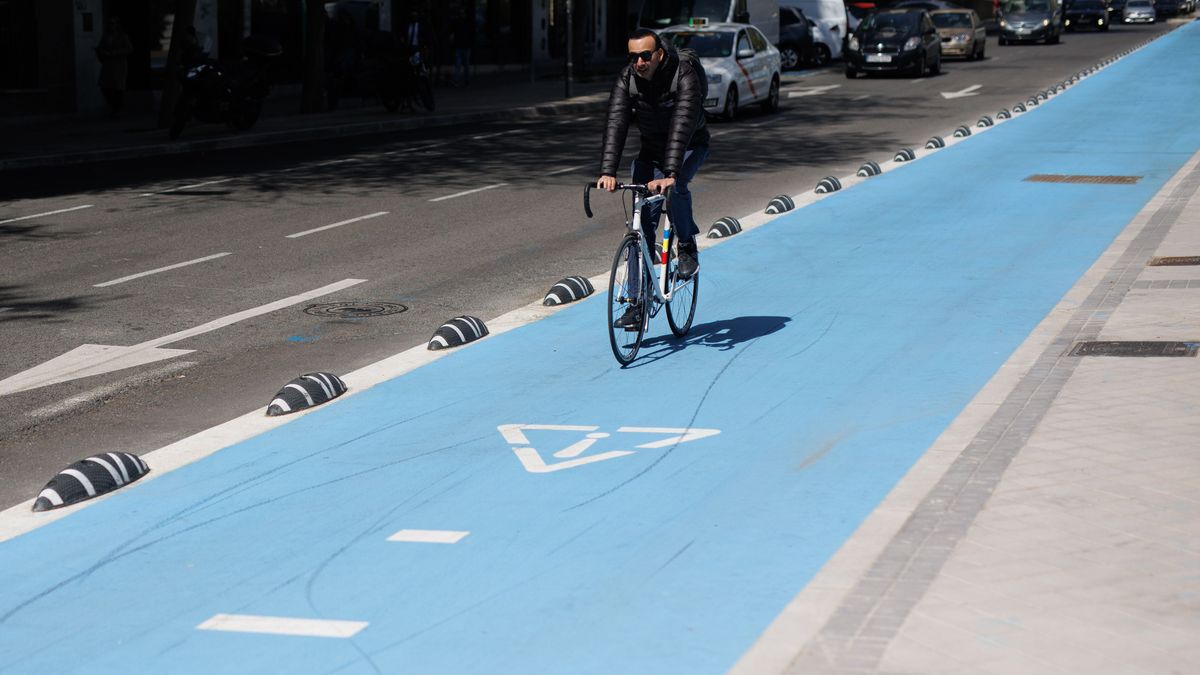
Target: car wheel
[919, 70]
[730, 110]
[936, 67]
[821, 55]
[789, 58]
[982, 50]
[771, 104]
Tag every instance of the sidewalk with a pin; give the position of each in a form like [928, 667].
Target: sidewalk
[64, 140]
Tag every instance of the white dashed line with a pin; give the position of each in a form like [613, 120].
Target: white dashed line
[185, 187]
[468, 192]
[139, 275]
[283, 625]
[48, 213]
[429, 536]
[568, 169]
[338, 224]
[498, 133]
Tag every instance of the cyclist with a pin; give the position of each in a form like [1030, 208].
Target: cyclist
[666, 91]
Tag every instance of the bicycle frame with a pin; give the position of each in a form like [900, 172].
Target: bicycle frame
[643, 198]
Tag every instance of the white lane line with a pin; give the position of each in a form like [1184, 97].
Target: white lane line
[919, 79]
[720, 133]
[48, 213]
[139, 275]
[283, 625]
[185, 187]
[5, 309]
[568, 169]
[861, 98]
[339, 224]
[577, 119]
[469, 192]
[498, 133]
[429, 536]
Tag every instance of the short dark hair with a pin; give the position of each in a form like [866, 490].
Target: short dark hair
[640, 33]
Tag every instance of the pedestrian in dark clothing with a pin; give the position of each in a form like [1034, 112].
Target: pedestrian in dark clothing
[463, 38]
[113, 51]
[667, 95]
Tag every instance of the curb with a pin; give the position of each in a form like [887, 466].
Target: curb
[166, 149]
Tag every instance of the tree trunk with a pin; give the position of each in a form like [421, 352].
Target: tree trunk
[313, 96]
[185, 11]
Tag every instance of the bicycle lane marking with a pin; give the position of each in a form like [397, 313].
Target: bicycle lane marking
[825, 384]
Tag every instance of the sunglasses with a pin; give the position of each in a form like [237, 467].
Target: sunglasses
[644, 56]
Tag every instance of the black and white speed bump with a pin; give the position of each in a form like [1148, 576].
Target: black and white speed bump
[828, 184]
[1019, 108]
[306, 391]
[724, 227]
[869, 169]
[457, 331]
[984, 121]
[962, 131]
[935, 143]
[1004, 114]
[905, 155]
[91, 477]
[568, 290]
[780, 204]
[1031, 102]
[1040, 96]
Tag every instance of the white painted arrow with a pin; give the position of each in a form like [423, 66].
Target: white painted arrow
[812, 91]
[88, 360]
[962, 93]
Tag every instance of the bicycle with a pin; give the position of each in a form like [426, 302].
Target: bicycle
[633, 277]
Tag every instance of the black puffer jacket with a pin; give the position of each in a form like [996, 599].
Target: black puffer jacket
[670, 123]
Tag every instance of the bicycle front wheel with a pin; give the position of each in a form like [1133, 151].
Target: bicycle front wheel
[681, 308]
[623, 289]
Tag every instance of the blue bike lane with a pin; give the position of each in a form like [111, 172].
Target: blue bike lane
[830, 349]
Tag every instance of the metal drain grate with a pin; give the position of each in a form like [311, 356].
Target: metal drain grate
[355, 310]
[1171, 261]
[1089, 180]
[1134, 349]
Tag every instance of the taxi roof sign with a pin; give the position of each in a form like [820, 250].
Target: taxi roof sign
[698, 21]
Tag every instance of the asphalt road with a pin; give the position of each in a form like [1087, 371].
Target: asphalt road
[235, 216]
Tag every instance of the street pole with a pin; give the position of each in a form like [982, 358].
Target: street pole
[570, 48]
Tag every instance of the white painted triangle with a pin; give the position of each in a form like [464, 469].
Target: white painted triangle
[534, 462]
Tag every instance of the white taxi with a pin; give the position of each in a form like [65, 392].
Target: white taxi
[743, 67]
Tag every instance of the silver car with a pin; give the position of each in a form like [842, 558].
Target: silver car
[1138, 11]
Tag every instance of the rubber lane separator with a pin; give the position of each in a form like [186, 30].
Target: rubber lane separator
[48, 213]
[283, 625]
[429, 536]
[139, 275]
[337, 224]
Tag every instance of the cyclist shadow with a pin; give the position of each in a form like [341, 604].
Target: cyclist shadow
[721, 335]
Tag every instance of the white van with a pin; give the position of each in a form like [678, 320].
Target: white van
[830, 17]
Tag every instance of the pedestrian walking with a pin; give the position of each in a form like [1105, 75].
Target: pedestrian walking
[113, 51]
[463, 38]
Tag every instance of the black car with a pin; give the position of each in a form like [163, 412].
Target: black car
[1030, 20]
[895, 40]
[1166, 8]
[1089, 13]
[1115, 7]
[795, 38]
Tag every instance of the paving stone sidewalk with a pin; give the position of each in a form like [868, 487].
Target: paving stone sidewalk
[1054, 527]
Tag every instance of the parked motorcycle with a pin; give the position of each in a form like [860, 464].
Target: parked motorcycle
[226, 93]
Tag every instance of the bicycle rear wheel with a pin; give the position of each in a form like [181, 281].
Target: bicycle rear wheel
[625, 342]
[681, 308]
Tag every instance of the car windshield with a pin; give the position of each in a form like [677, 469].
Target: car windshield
[1019, 6]
[1086, 4]
[952, 20]
[670, 12]
[704, 43]
[898, 21]
[1138, 3]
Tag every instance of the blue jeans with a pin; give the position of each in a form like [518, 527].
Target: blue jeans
[682, 222]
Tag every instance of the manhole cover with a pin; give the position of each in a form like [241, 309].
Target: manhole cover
[1168, 261]
[1089, 180]
[1134, 349]
[355, 310]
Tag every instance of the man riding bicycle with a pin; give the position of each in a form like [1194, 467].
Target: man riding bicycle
[666, 92]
